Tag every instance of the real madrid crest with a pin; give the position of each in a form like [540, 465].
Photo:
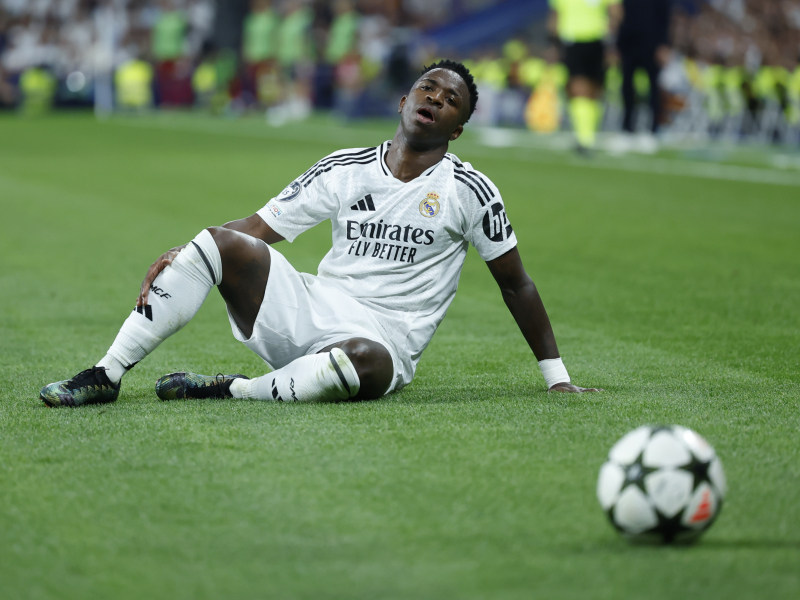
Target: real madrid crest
[429, 207]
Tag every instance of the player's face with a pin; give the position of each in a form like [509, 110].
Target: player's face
[435, 109]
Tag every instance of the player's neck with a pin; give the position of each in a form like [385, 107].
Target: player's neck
[407, 162]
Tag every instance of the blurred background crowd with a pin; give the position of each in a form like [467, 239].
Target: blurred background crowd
[715, 68]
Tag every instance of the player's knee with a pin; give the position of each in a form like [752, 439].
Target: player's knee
[236, 247]
[222, 237]
[373, 363]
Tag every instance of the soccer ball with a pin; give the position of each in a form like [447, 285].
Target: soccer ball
[661, 484]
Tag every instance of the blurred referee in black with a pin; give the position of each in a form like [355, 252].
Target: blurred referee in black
[643, 44]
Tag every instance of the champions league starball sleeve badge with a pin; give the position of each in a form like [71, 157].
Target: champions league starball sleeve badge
[290, 192]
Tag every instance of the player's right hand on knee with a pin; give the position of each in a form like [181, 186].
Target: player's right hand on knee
[162, 262]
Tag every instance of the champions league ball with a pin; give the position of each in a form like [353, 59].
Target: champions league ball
[661, 484]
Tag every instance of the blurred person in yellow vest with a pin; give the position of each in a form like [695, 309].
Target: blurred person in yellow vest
[769, 86]
[491, 77]
[260, 49]
[204, 82]
[294, 34]
[295, 54]
[343, 33]
[212, 78]
[713, 84]
[548, 79]
[793, 92]
[493, 72]
[173, 69]
[37, 90]
[581, 27]
[733, 80]
[514, 54]
[169, 32]
[133, 82]
[260, 33]
[530, 71]
[339, 78]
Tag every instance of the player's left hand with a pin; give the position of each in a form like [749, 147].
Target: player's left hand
[161, 263]
[568, 387]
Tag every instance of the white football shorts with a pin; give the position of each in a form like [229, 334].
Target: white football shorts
[301, 314]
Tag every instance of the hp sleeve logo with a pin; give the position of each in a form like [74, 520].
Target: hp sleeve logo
[495, 223]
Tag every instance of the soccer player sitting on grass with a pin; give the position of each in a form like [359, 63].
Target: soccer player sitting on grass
[403, 215]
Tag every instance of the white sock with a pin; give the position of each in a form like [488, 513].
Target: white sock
[314, 378]
[114, 369]
[175, 297]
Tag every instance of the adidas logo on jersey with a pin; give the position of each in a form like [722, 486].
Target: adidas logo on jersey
[364, 204]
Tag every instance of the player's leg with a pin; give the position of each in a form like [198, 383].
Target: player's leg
[175, 297]
[358, 368]
[355, 369]
[246, 265]
[245, 262]
[372, 363]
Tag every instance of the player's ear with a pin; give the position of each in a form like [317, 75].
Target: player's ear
[402, 104]
[457, 133]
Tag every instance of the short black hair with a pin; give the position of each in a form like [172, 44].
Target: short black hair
[463, 71]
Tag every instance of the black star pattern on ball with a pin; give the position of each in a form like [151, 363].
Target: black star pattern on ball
[669, 527]
[670, 530]
[698, 469]
[636, 472]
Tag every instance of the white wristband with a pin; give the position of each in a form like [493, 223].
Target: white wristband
[554, 371]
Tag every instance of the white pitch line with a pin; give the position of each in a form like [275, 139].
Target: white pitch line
[703, 170]
[536, 148]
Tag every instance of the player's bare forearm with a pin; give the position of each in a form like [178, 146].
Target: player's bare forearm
[526, 306]
[528, 311]
[255, 226]
[523, 300]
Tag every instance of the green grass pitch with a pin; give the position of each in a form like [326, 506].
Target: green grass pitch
[674, 286]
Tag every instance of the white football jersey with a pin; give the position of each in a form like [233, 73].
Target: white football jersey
[398, 248]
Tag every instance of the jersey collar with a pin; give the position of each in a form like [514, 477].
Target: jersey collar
[384, 148]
